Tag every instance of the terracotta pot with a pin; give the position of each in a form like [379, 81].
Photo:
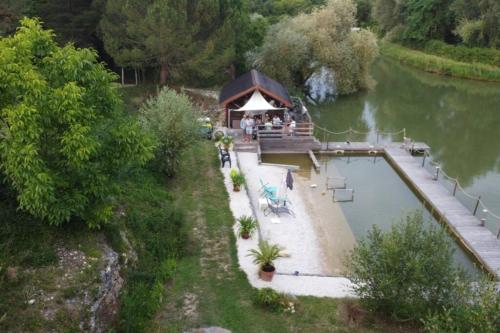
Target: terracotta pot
[236, 188]
[267, 273]
[245, 235]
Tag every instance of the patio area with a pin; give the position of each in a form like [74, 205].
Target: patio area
[313, 265]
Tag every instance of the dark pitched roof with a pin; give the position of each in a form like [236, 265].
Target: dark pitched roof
[251, 81]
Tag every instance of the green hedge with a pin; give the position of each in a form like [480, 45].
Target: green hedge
[487, 56]
[439, 65]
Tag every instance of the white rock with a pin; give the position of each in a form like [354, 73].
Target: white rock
[31, 301]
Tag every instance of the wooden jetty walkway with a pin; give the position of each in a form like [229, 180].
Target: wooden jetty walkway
[479, 240]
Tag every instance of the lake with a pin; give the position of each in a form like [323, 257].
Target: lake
[459, 119]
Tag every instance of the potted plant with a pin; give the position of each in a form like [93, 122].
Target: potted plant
[226, 141]
[238, 179]
[246, 227]
[264, 257]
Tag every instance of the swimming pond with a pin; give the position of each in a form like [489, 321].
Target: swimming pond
[381, 197]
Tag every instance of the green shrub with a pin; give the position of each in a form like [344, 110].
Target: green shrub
[475, 309]
[274, 301]
[172, 118]
[406, 272]
[488, 56]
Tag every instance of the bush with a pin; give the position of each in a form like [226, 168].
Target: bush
[172, 118]
[465, 54]
[406, 272]
[274, 301]
[475, 309]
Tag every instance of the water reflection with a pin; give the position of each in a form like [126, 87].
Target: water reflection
[459, 119]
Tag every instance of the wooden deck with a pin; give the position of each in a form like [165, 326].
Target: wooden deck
[479, 240]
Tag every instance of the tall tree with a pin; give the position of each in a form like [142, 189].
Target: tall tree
[11, 12]
[64, 138]
[196, 38]
[74, 20]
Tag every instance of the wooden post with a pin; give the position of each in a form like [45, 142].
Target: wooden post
[135, 72]
[477, 205]
[377, 135]
[436, 177]
[455, 188]
[123, 77]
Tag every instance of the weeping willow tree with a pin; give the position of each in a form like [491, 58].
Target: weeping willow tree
[295, 49]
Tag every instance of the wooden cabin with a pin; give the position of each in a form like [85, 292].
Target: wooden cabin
[272, 98]
[261, 97]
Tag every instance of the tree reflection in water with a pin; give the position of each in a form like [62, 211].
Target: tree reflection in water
[459, 119]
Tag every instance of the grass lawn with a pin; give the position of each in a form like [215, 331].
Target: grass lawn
[440, 65]
[208, 288]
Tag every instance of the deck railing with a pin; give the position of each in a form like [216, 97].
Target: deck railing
[281, 131]
[474, 203]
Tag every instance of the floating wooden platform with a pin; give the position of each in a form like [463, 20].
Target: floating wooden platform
[479, 240]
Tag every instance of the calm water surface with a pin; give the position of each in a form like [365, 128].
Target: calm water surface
[380, 196]
[459, 119]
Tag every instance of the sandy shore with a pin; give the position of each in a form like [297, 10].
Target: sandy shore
[333, 232]
[318, 237]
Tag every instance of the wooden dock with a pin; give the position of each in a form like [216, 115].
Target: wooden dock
[479, 240]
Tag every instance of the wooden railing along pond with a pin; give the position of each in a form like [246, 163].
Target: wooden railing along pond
[280, 131]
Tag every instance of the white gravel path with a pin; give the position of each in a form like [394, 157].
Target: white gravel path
[296, 235]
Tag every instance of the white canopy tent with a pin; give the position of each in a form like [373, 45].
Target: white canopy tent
[257, 104]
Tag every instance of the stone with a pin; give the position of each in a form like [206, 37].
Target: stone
[213, 329]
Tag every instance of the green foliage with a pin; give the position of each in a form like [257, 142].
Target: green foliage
[172, 118]
[192, 40]
[64, 139]
[321, 38]
[158, 236]
[406, 272]
[74, 21]
[11, 12]
[363, 12]
[226, 140]
[464, 54]
[439, 65]
[427, 19]
[238, 178]
[478, 22]
[276, 10]
[266, 254]
[274, 301]
[417, 20]
[246, 225]
[474, 309]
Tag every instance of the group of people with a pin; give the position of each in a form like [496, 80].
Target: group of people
[249, 125]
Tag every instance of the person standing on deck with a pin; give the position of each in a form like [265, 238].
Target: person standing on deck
[249, 123]
[243, 125]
